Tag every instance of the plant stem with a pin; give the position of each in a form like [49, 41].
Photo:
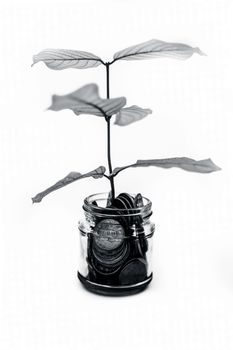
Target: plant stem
[108, 120]
[107, 79]
[109, 159]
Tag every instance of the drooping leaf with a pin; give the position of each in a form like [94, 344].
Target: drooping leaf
[156, 48]
[71, 177]
[130, 115]
[61, 59]
[86, 100]
[199, 166]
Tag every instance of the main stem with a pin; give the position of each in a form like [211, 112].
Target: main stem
[108, 120]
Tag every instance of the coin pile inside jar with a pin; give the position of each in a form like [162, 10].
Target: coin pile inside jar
[117, 246]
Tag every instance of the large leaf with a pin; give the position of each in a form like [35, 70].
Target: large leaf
[156, 48]
[130, 115]
[199, 166]
[86, 100]
[71, 177]
[61, 59]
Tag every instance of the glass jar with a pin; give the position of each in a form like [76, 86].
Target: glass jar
[115, 247]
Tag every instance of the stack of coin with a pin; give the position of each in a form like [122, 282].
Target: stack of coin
[117, 247]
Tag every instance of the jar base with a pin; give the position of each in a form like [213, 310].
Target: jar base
[114, 290]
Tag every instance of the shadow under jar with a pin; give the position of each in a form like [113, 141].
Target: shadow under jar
[115, 247]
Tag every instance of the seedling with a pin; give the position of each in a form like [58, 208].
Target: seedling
[86, 100]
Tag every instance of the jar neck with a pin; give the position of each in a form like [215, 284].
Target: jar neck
[100, 210]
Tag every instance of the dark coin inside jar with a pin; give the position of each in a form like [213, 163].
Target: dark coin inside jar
[128, 199]
[108, 234]
[135, 271]
[108, 262]
[123, 201]
[109, 248]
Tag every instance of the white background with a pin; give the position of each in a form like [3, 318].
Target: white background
[189, 305]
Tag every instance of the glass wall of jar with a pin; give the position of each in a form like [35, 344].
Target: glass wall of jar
[116, 245]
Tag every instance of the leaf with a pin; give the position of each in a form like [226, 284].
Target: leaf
[61, 59]
[199, 166]
[156, 48]
[130, 115]
[71, 177]
[86, 100]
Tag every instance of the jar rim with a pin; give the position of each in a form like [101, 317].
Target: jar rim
[90, 207]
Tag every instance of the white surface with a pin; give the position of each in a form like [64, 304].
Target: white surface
[189, 305]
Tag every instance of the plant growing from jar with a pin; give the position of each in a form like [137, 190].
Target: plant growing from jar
[116, 236]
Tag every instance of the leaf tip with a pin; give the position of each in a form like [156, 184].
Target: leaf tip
[48, 109]
[213, 166]
[216, 167]
[36, 199]
[200, 52]
[34, 60]
[51, 107]
[33, 200]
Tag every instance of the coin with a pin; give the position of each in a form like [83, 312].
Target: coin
[119, 203]
[128, 199]
[135, 271]
[108, 234]
[138, 201]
